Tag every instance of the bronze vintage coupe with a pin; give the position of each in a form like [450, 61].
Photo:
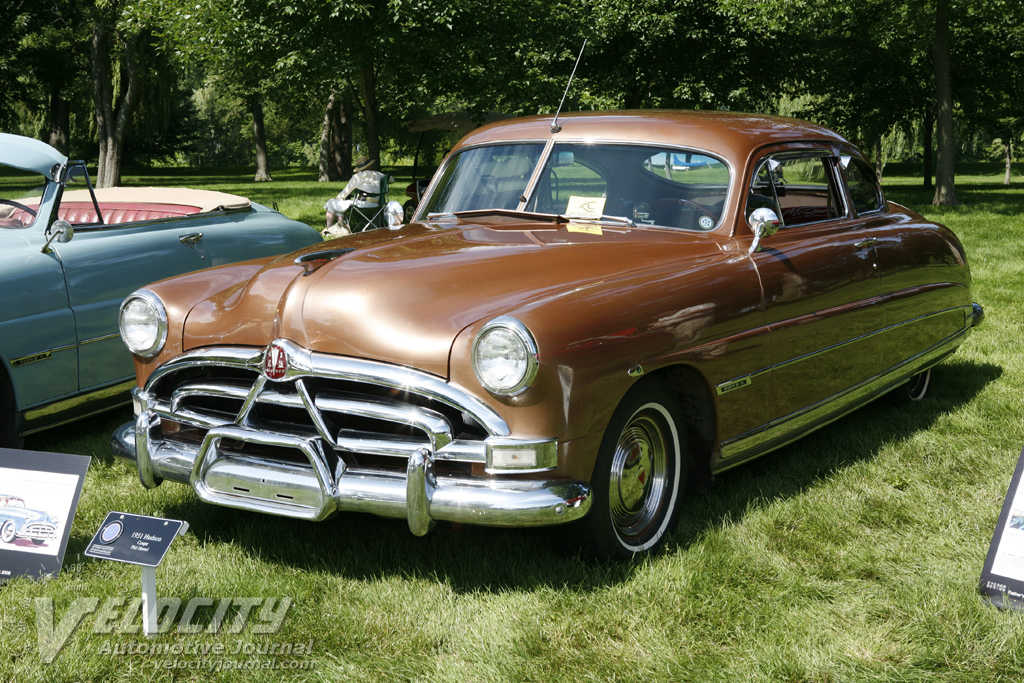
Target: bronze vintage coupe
[583, 316]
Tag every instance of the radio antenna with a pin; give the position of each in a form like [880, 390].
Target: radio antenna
[555, 127]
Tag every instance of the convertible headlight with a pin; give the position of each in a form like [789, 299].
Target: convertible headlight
[505, 356]
[143, 323]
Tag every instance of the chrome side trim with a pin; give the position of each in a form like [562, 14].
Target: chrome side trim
[728, 385]
[77, 402]
[785, 430]
[115, 335]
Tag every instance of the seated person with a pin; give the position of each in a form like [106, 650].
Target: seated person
[364, 181]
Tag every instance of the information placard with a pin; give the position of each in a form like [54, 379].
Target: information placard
[1002, 578]
[135, 539]
[39, 494]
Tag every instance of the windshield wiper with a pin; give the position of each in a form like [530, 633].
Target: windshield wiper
[602, 217]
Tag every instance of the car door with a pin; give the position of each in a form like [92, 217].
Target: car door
[102, 265]
[820, 278]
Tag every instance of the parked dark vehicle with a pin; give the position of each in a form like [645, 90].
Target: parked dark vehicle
[583, 318]
[68, 257]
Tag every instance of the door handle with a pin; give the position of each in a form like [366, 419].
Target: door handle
[191, 238]
[866, 243]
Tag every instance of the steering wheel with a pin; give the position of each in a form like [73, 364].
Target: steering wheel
[695, 206]
[19, 205]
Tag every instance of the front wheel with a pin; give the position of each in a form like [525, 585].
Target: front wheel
[7, 532]
[639, 476]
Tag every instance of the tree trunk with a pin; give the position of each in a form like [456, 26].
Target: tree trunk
[60, 121]
[259, 134]
[324, 165]
[945, 185]
[879, 164]
[113, 110]
[371, 113]
[1008, 159]
[341, 143]
[929, 126]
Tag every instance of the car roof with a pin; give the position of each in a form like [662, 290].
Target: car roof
[28, 154]
[731, 134]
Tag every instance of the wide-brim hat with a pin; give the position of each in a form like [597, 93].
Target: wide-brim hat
[362, 164]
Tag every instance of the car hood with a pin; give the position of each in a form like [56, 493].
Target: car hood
[404, 296]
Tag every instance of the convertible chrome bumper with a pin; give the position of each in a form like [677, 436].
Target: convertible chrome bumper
[230, 439]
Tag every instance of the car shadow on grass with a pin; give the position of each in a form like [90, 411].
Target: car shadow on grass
[855, 438]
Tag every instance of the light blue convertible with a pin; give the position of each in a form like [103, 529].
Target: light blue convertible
[68, 257]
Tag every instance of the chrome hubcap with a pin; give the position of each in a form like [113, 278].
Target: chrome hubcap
[638, 474]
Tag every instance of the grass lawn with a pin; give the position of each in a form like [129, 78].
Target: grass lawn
[852, 555]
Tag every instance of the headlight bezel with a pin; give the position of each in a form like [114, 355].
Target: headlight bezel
[160, 314]
[522, 334]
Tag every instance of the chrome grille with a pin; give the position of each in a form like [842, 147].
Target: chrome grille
[367, 413]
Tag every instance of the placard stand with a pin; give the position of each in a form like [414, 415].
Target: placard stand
[149, 601]
[141, 540]
[1002, 577]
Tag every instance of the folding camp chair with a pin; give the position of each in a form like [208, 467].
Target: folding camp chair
[366, 202]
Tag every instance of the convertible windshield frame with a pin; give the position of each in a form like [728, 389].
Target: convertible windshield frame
[668, 193]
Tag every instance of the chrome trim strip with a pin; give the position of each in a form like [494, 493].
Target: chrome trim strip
[115, 335]
[742, 380]
[784, 430]
[79, 400]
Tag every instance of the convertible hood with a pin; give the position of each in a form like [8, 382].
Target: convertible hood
[403, 297]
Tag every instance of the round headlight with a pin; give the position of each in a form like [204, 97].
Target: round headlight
[505, 356]
[143, 323]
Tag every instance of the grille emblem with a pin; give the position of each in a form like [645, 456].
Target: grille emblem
[275, 363]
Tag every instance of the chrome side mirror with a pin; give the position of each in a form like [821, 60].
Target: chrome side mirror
[395, 215]
[764, 223]
[62, 231]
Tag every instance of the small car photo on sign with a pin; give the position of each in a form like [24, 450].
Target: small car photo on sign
[34, 506]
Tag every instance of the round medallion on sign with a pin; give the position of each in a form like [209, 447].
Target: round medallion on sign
[706, 222]
[111, 532]
[275, 363]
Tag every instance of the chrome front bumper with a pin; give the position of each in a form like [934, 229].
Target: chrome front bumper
[319, 490]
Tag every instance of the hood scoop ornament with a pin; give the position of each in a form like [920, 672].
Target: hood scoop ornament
[312, 261]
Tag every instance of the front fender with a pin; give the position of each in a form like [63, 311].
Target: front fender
[596, 341]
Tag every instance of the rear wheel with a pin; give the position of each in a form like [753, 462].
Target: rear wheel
[7, 532]
[914, 390]
[639, 476]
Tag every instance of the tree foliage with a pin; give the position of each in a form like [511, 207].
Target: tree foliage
[867, 68]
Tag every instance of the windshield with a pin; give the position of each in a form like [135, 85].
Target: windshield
[644, 184]
[493, 177]
[20, 193]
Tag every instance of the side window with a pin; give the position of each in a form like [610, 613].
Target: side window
[802, 189]
[864, 190]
